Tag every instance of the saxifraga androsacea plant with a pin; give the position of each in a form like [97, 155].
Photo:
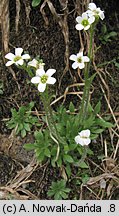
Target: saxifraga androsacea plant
[65, 140]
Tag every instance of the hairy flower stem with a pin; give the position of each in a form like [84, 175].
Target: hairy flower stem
[85, 99]
[50, 121]
[83, 157]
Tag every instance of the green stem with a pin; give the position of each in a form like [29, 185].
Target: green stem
[85, 99]
[50, 121]
[85, 150]
[49, 114]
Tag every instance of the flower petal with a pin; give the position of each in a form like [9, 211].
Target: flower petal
[80, 54]
[26, 56]
[41, 87]
[85, 133]
[85, 58]
[86, 141]
[18, 51]
[79, 27]
[101, 15]
[84, 16]
[81, 65]
[50, 72]
[79, 19]
[92, 6]
[73, 57]
[40, 72]
[35, 79]
[10, 56]
[91, 19]
[51, 80]
[19, 62]
[33, 63]
[77, 139]
[9, 63]
[87, 27]
[75, 65]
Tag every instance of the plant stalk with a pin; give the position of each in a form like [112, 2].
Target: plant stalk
[85, 99]
[50, 121]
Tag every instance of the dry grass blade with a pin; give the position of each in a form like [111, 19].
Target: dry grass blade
[18, 6]
[9, 193]
[68, 93]
[96, 179]
[43, 13]
[23, 175]
[4, 22]
[27, 9]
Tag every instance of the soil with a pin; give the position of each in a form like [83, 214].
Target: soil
[47, 41]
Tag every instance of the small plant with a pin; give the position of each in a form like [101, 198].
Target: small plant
[64, 142]
[58, 190]
[22, 120]
[69, 150]
[106, 36]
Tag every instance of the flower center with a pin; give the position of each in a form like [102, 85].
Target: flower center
[17, 58]
[79, 60]
[44, 79]
[96, 12]
[39, 65]
[85, 22]
[83, 137]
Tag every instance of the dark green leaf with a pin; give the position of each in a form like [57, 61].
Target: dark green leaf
[23, 133]
[83, 165]
[112, 34]
[100, 130]
[103, 123]
[71, 107]
[97, 108]
[68, 158]
[38, 135]
[47, 152]
[27, 127]
[68, 170]
[59, 162]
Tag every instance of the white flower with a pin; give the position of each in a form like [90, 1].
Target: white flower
[36, 64]
[42, 78]
[16, 58]
[84, 21]
[79, 60]
[83, 137]
[95, 11]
